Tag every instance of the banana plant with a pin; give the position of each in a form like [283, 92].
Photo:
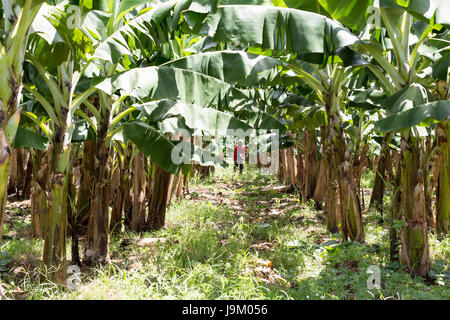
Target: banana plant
[403, 75]
[318, 40]
[53, 77]
[119, 50]
[125, 42]
[61, 107]
[218, 73]
[17, 17]
[60, 75]
[403, 30]
[368, 102]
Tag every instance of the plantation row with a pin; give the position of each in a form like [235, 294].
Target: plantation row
[93, 94]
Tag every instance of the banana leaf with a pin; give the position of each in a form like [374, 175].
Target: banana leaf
[29, 139]
[213, 121]
[229, 66]
[275, 28]
[172, 156]
[423, 115]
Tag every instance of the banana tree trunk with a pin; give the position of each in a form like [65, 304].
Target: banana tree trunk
[72, 181]
[414, 238]
[332, 207]
[28, 177]
[430, 181]
[117, 199]
[186, 184]
[5, 158]
[20, 170]
[17, 174]
[352, 224]
[376, 199]
[13, 188]
[394, 237]
[86, 186]
[321, 186]
[122, 192]
[443, 189]
[38, 198]
[299, 182]
[320, 194]
[311, 163]
[56, 218]
[360, 163]
[282, 166]
[12, 55]
[350, 207]
[160, 193]
[128, 199]
[97, 239]
[55, 234]
[177, 187]
[37, 205]
[139, 193]
[292, 166]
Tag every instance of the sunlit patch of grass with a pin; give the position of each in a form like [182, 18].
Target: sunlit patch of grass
[367, 179]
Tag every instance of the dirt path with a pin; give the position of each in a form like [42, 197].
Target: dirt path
[245, 199]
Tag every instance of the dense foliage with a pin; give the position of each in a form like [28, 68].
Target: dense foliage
[94, 94]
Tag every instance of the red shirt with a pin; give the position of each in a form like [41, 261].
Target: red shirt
[236, 151]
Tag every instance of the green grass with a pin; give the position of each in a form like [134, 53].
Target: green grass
[223, 243]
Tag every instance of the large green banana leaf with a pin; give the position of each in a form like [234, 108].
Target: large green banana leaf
[207, 119]
[189, 87]
[436, 11]
[229, 66]
[191, 152]
[125, 39]
[169, 83]
[42, 26]
[367, 98]
[213, 121]
[407, 98]
[60, 40]
[441, 68]
[150, 28]
[173, 125]
[262, 120]
[155, 145]
[151, 143]
[424, 115]
[29, 139]
[203, 45]
[278, 29]
[413, 105]
[120, 5]
[310, 117]
[354, 13]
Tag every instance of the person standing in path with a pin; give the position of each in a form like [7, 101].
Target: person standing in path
[239, 156]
